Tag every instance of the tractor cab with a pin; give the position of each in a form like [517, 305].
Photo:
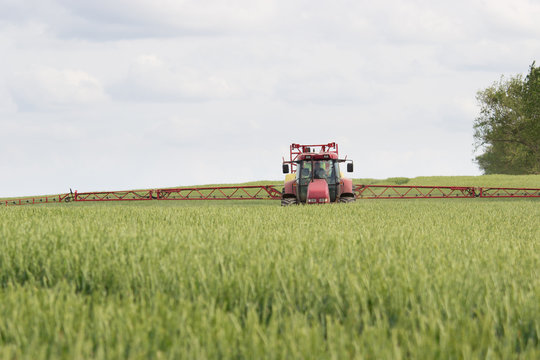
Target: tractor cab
[323, 171]
[318, 169]
[316, 176]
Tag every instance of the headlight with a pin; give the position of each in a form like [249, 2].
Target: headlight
[323, 200]
[312, 200]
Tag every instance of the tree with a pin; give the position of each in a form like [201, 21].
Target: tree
[508, 127]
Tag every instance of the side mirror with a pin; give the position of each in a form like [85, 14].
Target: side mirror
[285, 168]
[350, 167]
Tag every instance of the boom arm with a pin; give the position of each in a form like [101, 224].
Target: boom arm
[270, 192]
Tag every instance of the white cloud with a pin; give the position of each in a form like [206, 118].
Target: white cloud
[324, 89]
[7, 105]
[151, 79]
[512, 19]
[52, 89]
[105, 20]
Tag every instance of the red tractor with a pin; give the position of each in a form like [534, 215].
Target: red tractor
[315, 176]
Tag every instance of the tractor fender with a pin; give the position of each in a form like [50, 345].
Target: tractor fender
[289, 189]
[346, 186]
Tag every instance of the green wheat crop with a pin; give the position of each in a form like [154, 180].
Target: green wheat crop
[412, 279]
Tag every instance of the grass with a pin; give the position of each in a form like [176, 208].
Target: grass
[375, 279]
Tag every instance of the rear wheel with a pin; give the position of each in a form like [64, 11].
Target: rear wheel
[347, 199]
[288, 201]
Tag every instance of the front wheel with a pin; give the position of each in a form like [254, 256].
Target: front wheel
[347, 199]
[288, 201]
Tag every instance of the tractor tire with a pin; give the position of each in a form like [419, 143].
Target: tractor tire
[347, 199]
[288, 201]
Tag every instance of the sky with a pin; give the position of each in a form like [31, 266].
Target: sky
[118, 94]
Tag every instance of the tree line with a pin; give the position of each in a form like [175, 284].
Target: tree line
[508, 127]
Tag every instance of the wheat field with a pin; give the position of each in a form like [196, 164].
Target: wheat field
[374, 279]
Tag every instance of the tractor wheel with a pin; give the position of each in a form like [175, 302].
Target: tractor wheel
[288, 201]
[347, 199]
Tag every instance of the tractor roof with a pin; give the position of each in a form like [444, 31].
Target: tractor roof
[317, 156]
[299, 151]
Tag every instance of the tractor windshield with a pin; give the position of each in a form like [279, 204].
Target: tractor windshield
[318, 169]
[309, 170]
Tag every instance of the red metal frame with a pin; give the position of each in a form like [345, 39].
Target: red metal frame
[298, 149]
[249, 192]
[48, 199]
[412, 192]
[508, 192]
[270, 192]
[129, 195]
[439, 192]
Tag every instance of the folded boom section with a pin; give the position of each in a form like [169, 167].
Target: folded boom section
[251, 192]
[46, 199]
[439, 192]
[412, 192]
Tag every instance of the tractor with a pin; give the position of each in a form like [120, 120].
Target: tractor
[314, 176]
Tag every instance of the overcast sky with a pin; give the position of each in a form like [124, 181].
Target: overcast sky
[121, 94]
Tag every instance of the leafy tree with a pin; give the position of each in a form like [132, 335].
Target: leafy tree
[508, 126]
